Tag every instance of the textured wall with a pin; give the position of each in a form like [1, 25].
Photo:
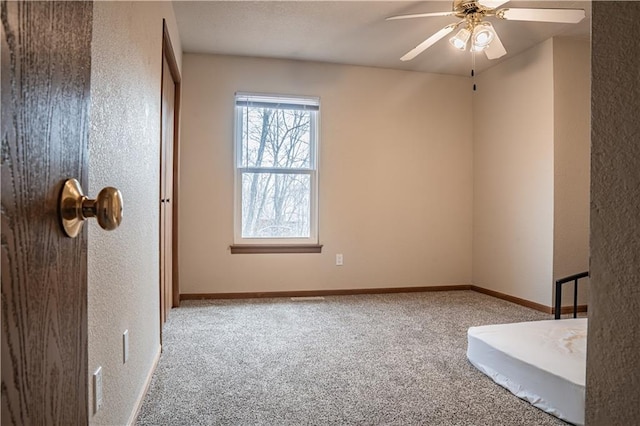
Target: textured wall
[395, 177]
[513, 176]
[613, 346]
[124, 152]
[572, 144]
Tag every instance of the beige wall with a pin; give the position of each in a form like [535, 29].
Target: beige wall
[572, 140]
[613, 351]
[531, 171]
[124, 152]
[513, 176]
[394, 180]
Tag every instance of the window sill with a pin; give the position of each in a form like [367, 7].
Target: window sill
[275, 248]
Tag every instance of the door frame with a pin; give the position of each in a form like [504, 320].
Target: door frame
[169, 55]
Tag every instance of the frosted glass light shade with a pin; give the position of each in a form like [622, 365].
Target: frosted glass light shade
[459, 41]
[482, 37]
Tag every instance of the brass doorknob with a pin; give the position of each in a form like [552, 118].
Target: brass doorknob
[75, 208]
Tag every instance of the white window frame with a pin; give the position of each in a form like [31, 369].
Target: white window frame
[311, 102]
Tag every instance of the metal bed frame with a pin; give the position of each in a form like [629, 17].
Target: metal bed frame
[559, 283]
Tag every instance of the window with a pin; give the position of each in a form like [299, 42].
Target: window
[276, 179]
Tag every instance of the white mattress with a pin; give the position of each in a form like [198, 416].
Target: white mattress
[542, 362]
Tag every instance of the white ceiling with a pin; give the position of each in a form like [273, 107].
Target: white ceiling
[353, 32]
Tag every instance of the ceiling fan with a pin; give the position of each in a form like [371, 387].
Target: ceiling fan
[480, 32]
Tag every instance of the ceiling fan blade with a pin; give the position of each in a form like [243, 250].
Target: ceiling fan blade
[419, 15]
[495, 49]
[492, 4]
[568, 16]
[428, 42]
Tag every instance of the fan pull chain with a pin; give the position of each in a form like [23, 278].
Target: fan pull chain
[473, 70]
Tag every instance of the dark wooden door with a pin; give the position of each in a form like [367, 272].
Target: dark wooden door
[166, 191]
[169, 172]
[46, 69]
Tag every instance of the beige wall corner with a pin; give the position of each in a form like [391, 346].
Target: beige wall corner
[513, 176]
[613, 345]
[394, 178]
[572, 145]
[124, 152]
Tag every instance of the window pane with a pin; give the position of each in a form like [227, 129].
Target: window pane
[276, 205]
[276, 138]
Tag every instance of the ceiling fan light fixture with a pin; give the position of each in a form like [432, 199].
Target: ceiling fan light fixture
[478, 32]
[482, 36]
[459, 41]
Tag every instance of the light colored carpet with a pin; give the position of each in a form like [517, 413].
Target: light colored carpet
[397, 359]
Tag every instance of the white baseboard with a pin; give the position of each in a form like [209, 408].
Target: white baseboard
[147, 382]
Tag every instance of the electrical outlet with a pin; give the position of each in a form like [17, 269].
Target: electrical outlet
[97, 390]
[125, 346]
[339, 259]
